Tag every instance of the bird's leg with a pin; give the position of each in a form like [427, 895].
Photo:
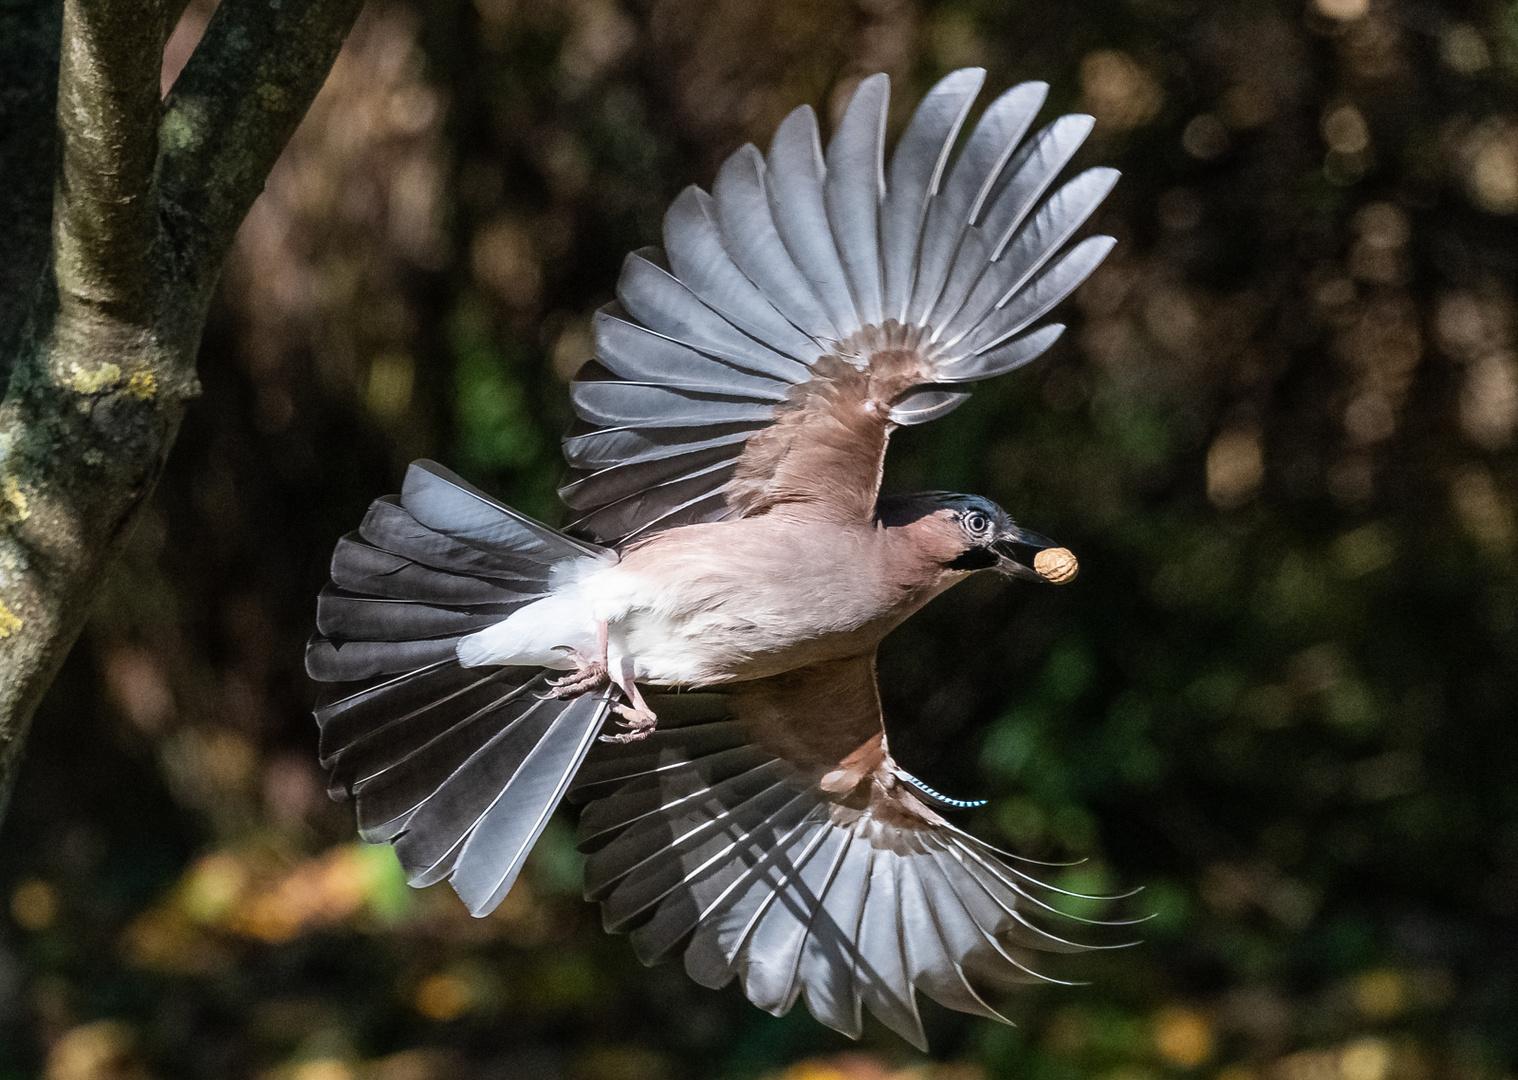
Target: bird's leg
[637, 717]
[589, 674]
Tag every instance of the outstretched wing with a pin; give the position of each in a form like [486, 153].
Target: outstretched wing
[744, 835]
[812, 303]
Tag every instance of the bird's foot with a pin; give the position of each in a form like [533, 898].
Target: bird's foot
[639, 721]
[588, 675]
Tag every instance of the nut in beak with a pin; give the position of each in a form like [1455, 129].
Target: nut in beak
[1056, 565]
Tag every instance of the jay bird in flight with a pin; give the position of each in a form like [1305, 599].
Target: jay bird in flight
[731, 572]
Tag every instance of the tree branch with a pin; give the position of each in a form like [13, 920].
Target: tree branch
[144, 212]
[234, 107]
[103, 214]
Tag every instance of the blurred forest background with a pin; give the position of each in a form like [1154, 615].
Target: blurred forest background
[1280, 435]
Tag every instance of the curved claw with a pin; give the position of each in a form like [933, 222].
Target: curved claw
[640, 723]
[588, 675]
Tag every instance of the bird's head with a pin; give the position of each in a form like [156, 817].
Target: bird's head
[968, 532]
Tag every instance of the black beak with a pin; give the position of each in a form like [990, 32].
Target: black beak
[1013, 546]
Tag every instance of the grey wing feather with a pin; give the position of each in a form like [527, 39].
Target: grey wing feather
[700, 842]
[770, 962]
[611, 485]
[671, 502]
[1009, 356]
[952, 211]
[693, 246]
[609, 447]
[741, 202]
[792, 257]
[917, 169]
[1021, 307]
[853, 190]
[1023, 181]
[660, 301]
[1036, 243]
[629, 351]
[828, 971]
[617, 403]
[711, 886]
[885, 984]
[795, 179]
[921, 406]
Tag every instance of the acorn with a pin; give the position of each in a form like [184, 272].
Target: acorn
[1056, 565]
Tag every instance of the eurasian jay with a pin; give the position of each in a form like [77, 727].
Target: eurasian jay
[734, 557]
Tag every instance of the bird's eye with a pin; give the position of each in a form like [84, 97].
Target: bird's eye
[976, 523]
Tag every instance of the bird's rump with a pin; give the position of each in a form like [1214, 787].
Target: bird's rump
[812, 303]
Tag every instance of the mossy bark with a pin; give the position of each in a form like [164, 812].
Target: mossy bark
[100, 324]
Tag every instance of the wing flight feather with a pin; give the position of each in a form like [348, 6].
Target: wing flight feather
[799, 871]
[815, 301]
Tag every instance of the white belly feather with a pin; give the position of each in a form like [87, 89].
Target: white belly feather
[666, 645]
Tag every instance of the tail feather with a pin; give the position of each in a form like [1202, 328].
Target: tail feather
[360, 568]
[393, 773]
[500, 838]
[442, 501]
[458, 767]
[384, 618]
[353, 661]
[390, 526]
[413, 707]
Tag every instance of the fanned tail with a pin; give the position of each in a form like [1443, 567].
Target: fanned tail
[700, 842]
[458, 767]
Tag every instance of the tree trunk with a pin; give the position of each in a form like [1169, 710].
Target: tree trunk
[101, 315]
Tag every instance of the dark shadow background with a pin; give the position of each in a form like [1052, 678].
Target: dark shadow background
[1279, 434]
